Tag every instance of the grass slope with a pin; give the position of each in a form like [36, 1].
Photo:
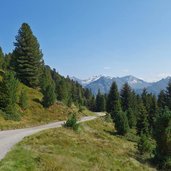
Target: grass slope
[36, 114]
[93, 148]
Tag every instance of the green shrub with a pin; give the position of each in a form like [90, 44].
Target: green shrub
[72, 123]
[12, 113]
[145, 146]
[23, 101]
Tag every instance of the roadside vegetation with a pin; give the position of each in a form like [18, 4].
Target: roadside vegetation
[95, 147]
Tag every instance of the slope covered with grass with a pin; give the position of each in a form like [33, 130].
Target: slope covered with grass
[36, 114]
[93, 148]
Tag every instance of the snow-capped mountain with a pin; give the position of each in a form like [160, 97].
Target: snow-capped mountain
[104, 83]
[86, 81]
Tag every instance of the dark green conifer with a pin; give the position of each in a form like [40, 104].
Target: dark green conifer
[100, 102]
[28, 56]
[8, 96]
[121, 123]
[113, 100]
[132, 120]
[163, 139]
[162, 99]
[49, 96]
[142, 121]
[1, 58]
[126, 97]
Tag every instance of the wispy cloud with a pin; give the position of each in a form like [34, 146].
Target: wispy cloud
[106, 68]
[125, 71]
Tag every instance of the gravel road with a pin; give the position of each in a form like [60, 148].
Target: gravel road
[10, 137]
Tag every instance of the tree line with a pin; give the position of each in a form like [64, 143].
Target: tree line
[149, 115]
[25, 65]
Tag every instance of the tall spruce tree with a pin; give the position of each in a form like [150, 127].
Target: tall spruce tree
[100, 102]
[163, 139]
[162, 99]
[28, 56]
[113, 100]
[142, 121]
[168, 95]
[126, 97]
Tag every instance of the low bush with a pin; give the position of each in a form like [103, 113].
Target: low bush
[72, 123]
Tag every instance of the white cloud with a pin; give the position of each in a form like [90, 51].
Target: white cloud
[125, 71]
[107, 68]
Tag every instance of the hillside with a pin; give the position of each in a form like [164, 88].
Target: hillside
[36, 114]
[94, 147]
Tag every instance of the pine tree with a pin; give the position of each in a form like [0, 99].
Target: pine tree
[153, 112]
[126, 97]
[163, 139]
[1, 58]
[28, 56]
[45, 78]
[62, 91]
[121, 123]
[113, 100]
[132, 120]
[49, 96]
[142, 121]
[8, 63]
[100, 102]
[162, 99]
[168, 95]
[8, 96]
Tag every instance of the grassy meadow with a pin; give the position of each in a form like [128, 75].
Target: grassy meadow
[94, 147]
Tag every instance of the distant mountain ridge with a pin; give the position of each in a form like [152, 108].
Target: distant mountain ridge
[103, 83]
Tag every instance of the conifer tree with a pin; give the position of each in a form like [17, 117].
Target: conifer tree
[113, 100]
[49, 96]
[8, 96]
[1, 58]
[126, 97]
[62, 91]
[162, 99]
[168, 95]
[100, 102]
[132, 120]
[163, 139]
[142, 121]
[121, 123]
[8, 64]
[28, 56]
[45, 78]
[153, 112]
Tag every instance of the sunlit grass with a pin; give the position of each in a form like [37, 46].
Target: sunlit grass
[36, 114]
[93, 148]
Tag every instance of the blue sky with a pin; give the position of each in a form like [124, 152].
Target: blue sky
[83, 38]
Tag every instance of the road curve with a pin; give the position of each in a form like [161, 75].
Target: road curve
[10, 137]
